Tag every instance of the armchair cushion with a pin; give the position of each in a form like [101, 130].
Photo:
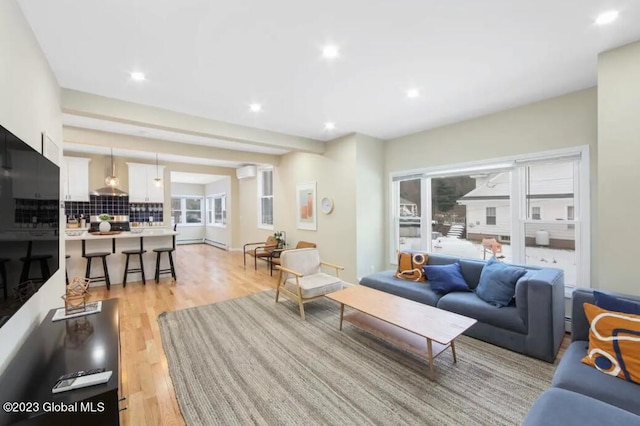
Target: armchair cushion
[303, 261]
[314, 285]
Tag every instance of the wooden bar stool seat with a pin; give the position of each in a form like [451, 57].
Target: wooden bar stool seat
[140, 270]
[103, 255]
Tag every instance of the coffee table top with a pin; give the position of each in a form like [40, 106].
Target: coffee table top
[424, 320]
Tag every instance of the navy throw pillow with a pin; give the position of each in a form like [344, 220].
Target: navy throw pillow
[445, 278]
[616, 304]
[497, 284]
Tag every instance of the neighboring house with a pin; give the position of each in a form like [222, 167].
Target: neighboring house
[550, 190]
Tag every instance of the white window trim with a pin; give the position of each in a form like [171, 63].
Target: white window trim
[581, 200]
[224, 210]
[259, 198]
[183, 205]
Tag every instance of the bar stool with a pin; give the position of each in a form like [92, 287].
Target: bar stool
[44, 267]
[105, 277]
[167, 250]
[134, 270]
[3, 276]
[66, 274]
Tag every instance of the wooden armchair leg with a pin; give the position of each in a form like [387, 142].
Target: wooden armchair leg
[301, 309]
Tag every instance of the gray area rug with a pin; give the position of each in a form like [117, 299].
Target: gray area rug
[250, 361]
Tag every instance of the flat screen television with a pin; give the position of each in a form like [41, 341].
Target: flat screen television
[29, 222]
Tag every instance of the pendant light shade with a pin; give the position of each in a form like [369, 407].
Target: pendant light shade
[112, 180]
[157, 181]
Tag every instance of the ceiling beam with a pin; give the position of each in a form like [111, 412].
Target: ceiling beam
[100, 107]
[136, 143]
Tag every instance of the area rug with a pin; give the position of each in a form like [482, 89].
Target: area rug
[251, 361]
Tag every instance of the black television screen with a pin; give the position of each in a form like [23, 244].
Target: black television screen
[29, 222]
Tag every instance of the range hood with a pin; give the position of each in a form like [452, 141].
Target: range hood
[109, 190]
[111, 182]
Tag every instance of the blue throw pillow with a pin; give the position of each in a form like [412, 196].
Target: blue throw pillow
[497, 283]
[616, 304]
[445, 278]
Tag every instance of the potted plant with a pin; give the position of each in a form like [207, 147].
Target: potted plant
[104, 226]
[279, 236]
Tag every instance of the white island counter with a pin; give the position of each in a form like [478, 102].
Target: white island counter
[148, 239]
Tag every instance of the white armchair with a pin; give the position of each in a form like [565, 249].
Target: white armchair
[301, 278]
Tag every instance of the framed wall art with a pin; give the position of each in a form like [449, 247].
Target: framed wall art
[306, 212]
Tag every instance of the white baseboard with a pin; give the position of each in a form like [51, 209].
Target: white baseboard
[216, 244]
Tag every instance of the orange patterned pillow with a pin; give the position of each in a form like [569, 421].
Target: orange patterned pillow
[410, 266]
[614, 343]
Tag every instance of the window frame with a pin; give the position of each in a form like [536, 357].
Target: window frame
[184, 210]
[515, 164]
[211, 210]
[261, 196]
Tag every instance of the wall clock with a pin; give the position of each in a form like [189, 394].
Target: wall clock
[327, 205]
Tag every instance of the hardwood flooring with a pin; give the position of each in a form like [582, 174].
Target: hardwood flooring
[205, 275]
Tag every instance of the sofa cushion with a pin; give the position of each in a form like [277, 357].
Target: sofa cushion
[617, 304]
[412, 290]
[470, 305]
[614, 343]
[498, 282]
[445, 278]
[471, 270]
[575, 376]
[562, 407]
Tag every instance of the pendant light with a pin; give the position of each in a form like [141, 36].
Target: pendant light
[157, 181]
[112, 180]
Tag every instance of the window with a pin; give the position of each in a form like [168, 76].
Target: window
[491, 215]
[187, 210]
[535, 213]
[217, 210]
[265, 198]
[451, 210]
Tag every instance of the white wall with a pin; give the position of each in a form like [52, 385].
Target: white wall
[216, 234]
[189, 233]
[30, 105]
[618, 232]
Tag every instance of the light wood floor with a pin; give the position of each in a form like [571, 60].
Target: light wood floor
[205, 275]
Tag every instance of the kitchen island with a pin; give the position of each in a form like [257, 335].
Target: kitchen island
[148, 239]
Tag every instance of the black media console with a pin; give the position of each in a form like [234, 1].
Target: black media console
[57, 348]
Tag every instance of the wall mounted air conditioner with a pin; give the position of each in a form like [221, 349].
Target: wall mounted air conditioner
[246, 172]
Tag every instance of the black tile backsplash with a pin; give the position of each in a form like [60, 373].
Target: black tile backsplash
[98, 204]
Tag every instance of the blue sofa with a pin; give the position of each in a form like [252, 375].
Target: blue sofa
[532, 325]
[580, 394]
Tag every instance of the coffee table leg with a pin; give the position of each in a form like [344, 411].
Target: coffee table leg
[341, 314]
[432, 375]
[453, 349]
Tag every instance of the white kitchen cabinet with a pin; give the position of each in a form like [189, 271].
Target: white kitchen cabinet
[75, 179]
[142, 188]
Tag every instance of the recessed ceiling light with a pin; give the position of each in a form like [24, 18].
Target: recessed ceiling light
[138, 76]
[607, 17]
[255, 107]
[330, 51]
[413, 93]
[329, 125]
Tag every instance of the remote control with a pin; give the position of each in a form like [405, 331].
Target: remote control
[81, 382]
[80, 374]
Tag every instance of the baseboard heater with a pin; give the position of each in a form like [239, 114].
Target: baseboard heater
[567, 324]
[217, 244]
[190, 241]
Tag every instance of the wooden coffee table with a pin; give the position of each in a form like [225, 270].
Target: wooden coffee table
[417, 328]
